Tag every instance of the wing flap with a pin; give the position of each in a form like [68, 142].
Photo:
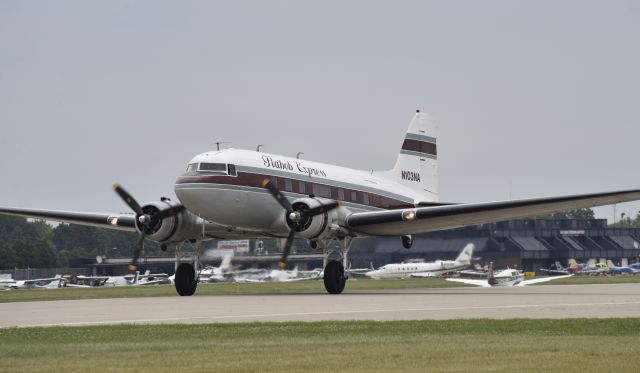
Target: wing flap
[113, 221]
[427, 219]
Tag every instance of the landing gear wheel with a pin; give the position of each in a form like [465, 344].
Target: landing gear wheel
[186, 279]
[334, 279]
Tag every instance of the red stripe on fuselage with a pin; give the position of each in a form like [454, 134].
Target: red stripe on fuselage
[254, 180]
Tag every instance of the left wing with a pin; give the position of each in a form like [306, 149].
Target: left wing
[541, 279]
[483, 283]
[426, 219]
[125, 222]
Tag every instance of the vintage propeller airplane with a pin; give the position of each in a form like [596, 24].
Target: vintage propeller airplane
[234, 193]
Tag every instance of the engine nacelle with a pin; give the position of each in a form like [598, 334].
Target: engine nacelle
[175, 228]
[318, 226]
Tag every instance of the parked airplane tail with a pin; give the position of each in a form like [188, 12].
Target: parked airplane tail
[225, 264]
[572, 262]
[490, 279]
[466, 253]
[610, 264]
[417, 163]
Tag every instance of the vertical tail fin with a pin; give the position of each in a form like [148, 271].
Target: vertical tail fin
[465, 254]
[417, 163]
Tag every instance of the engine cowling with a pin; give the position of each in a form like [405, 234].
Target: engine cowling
[318, 226]
[179, 227]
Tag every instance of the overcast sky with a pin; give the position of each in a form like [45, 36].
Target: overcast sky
[532, 99]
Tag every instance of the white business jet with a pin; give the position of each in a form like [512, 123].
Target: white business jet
[422, 270]
[230, 193]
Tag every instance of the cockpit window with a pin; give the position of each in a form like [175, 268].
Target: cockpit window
[213, 167]
[192, 167]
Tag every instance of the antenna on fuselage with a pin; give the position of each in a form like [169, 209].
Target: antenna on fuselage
[221, 142]
[258, 147]
[299, 154]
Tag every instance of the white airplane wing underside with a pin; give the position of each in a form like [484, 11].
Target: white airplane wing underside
[541, 279]
[427, 219]
[467, 281]
[124, 222]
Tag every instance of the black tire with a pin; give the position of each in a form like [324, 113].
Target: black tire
[185, 280]
[334, 279]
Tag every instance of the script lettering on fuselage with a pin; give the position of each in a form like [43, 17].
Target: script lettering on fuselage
[296, 166]
[410, 175]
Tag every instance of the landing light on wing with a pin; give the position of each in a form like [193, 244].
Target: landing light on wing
[408, 215]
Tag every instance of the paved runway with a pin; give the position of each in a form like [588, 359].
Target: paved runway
[550, 301]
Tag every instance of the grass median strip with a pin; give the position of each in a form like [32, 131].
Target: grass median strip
[455, 346]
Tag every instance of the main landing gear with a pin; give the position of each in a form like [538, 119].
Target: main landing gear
[335, 276]
[185, 281]
[186, 277]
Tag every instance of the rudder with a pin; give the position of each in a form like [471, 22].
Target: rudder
[417, 163]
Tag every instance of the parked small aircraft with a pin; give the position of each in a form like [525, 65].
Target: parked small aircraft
[233, 193]
[39, 283]
[135, 279]
[505, 277]
[430, 269]
[620, 270]
[556, 269]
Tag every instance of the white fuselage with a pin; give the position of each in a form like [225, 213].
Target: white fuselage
[507, 277]
[228, 190]
[402, 270]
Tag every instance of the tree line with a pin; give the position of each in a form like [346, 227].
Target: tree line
[36, 244]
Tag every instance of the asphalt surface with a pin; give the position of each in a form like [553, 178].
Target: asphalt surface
[549, 301]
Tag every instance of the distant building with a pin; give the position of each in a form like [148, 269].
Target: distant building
[529, 244]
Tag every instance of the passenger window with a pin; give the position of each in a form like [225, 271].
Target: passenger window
[365, 198]
[232, 170]
[301, 187]
[288, 185]
[321, 190]
[354, 196]
[341, 194]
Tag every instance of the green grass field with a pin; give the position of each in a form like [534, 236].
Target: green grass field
[314, 286]
[585, 345]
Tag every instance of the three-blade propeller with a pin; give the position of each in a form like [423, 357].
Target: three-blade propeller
[297, 216]
[146, 219]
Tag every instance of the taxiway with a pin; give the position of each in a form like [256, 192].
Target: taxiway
[549, 301]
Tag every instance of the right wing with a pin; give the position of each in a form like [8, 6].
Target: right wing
[427, 219]
[541, 279]
[126, 222]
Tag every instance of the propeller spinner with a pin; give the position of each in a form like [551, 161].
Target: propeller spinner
[298, 217]
[146, 219]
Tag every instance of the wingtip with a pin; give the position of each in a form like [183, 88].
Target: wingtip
[115, 186]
